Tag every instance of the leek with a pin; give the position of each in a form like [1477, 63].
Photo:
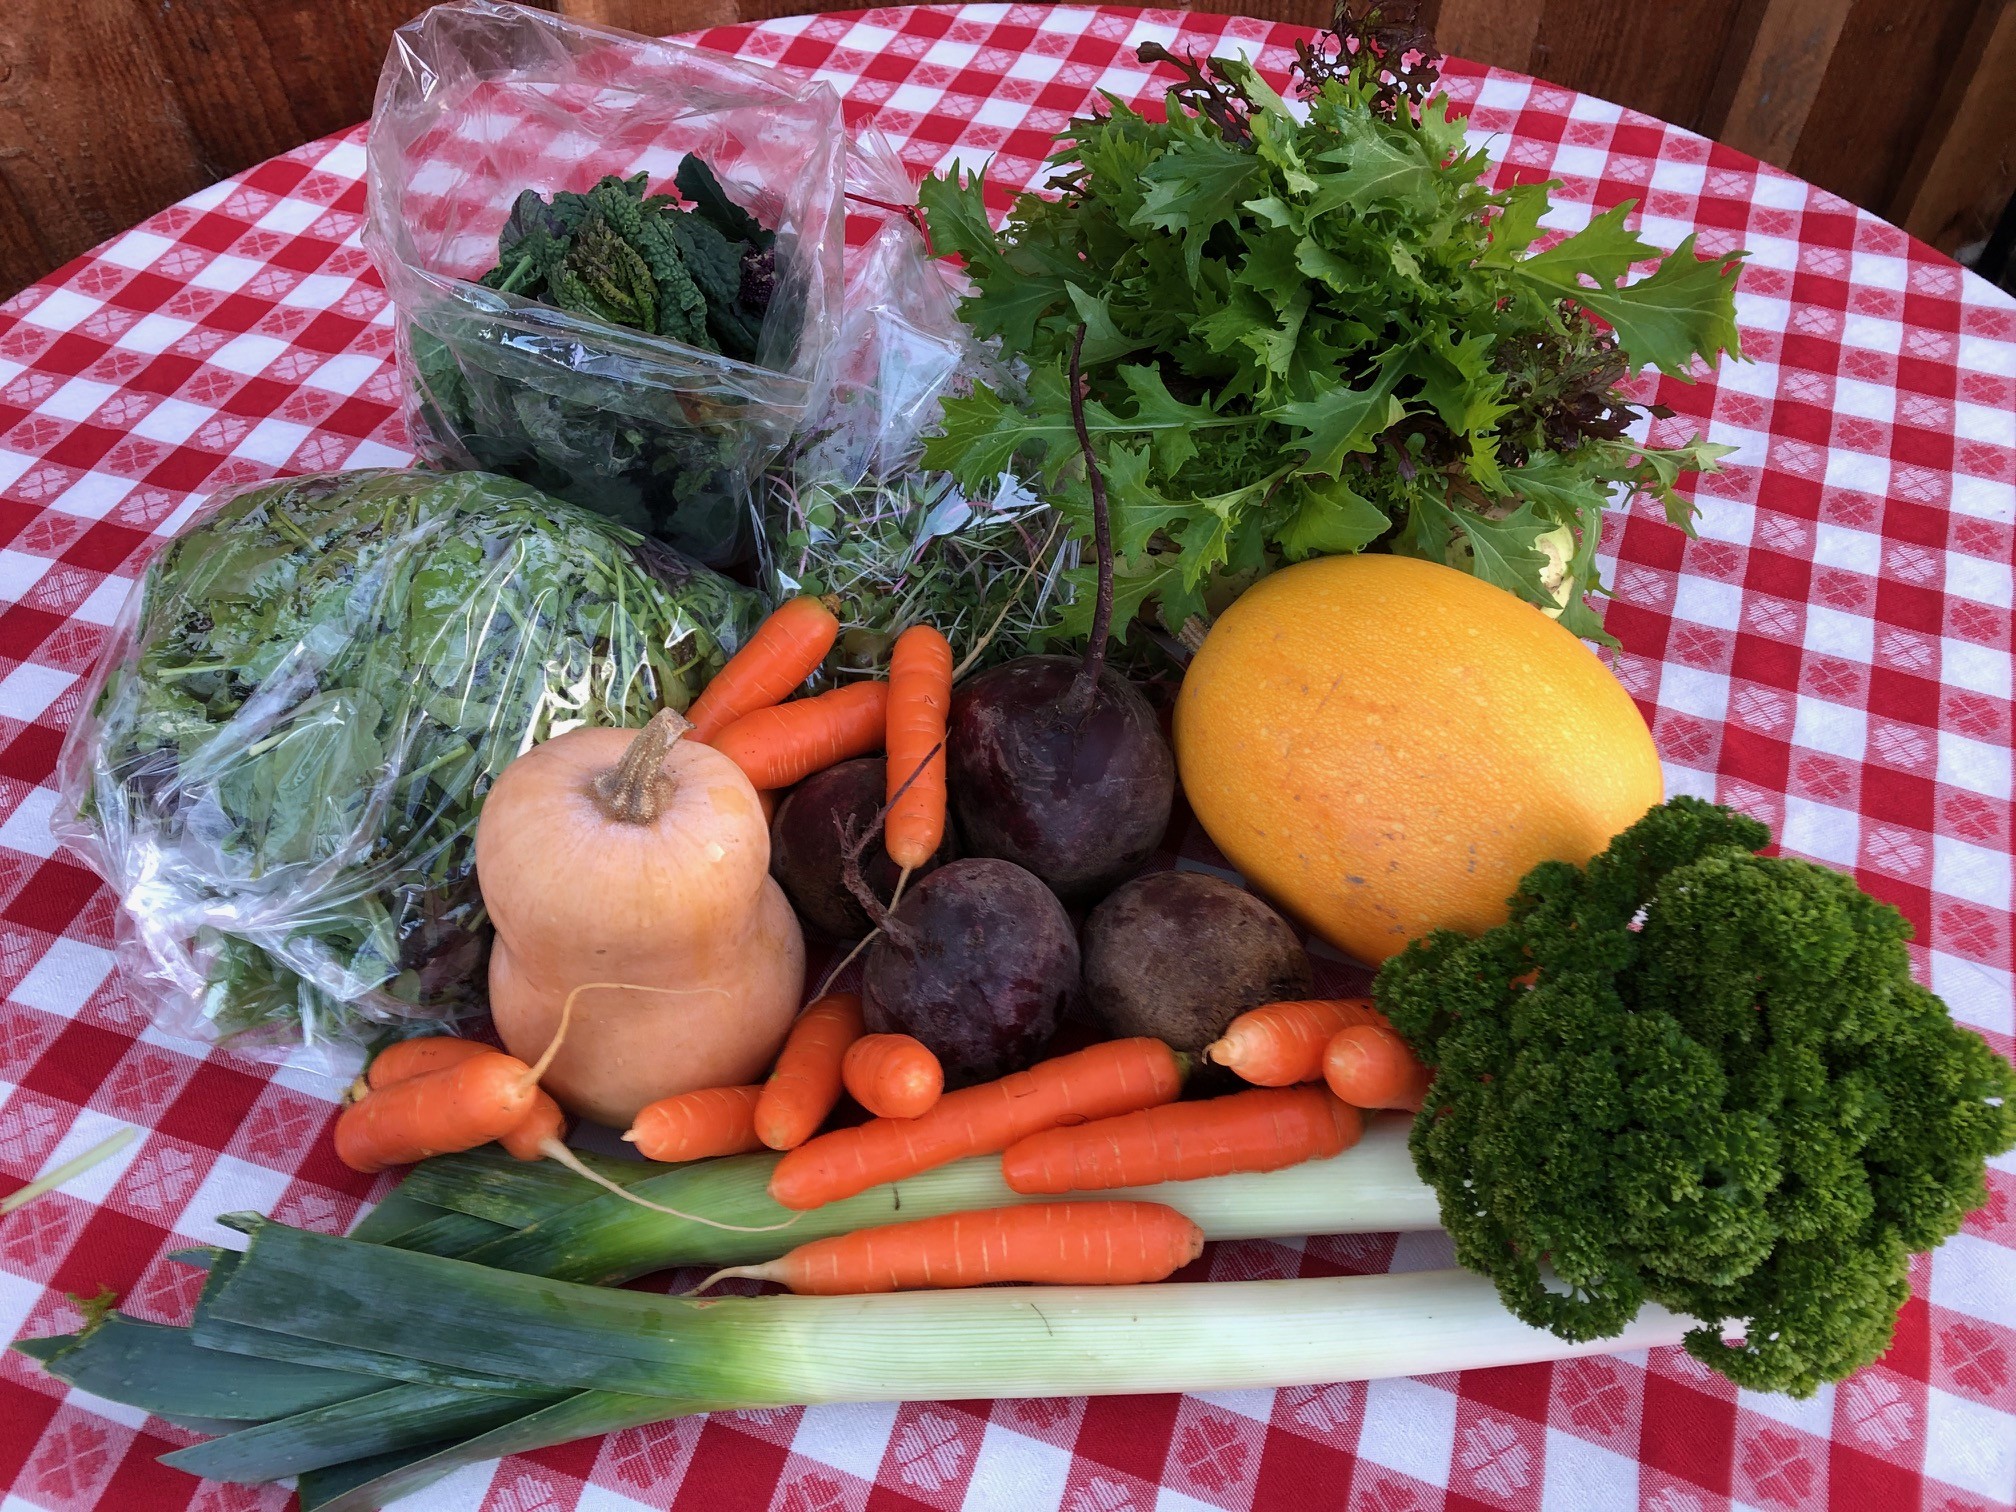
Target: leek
[773, 1351]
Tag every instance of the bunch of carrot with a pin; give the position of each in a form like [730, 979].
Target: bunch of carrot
[743, 714]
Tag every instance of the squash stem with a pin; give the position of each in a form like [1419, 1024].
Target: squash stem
[635, 790]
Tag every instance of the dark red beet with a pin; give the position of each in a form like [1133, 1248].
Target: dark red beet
[1081, 802]
[807, 850]
[977, 962]
[1179, 955]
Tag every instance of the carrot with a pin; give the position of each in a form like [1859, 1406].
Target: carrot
[785, 650]
[920, 699]
[454, 1108]
[1370, 1066]
[892, 1075]
[697, 1125]
[806, 1082]
[778, 746]
[1261, 1130]
[416, 1057]
[1281, 1044]
[1096, 1082]
[1062, 1243]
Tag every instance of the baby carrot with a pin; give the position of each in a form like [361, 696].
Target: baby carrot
[892, 1075]
[454, 1108]
[1096, 1082]
[1061, 1243]
[1369, 1066]
[1261, 1130]
[920, 698]
[1281, 1044]
[778, 746]
[806, 1082]
[697, 1125]
[416, 1057]
[785, 650]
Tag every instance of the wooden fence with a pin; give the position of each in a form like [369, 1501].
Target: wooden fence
[111, 109]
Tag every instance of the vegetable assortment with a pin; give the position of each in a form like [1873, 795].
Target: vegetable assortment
[1668, 1073]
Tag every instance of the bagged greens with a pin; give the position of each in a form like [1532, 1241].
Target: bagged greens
[486, 111]
[291, 736]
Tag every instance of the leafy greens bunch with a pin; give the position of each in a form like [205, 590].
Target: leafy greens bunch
[282, 771]
[701, 275]
[1696, 1075]
[1320, 335]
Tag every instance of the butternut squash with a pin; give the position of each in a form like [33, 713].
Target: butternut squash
[640, 860]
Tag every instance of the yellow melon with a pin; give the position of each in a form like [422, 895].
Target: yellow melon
[1385, 746]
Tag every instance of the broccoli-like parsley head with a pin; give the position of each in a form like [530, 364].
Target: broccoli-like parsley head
[1702, 1076]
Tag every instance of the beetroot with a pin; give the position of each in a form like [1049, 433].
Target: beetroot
[808, 842]
[977, 961]
[1179, 955]
[1080, 800]
[1060, 766]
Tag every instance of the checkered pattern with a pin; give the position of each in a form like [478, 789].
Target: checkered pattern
[1832, 654]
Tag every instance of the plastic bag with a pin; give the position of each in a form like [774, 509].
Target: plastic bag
[480, 101]
[847, 514]
[306, 700]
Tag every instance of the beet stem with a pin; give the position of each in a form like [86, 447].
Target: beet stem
[1085, 686]
[850, 861]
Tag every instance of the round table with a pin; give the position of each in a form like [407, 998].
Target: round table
[1832, 654]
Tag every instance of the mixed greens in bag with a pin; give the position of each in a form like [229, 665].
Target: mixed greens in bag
[313, 690]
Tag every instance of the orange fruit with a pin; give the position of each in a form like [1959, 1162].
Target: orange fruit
[1385, 746]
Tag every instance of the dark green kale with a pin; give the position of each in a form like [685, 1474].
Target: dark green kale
[282, 773]
[1698, 1076]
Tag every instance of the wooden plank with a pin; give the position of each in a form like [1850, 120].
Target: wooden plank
[1887, 73]
[1773, 66]
[1964, 171]
[1655, 56]
[91, 139]
[665, 18]
[1498, 32]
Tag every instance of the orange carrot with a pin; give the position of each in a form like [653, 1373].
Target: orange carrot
[785, 650]
[1281, 1044]
[416, 1057]
[1261, 1130]
[697, 1125]
[1370, 1066]
[892, 1075]
[457, 1107]
[534, 1135]
[1096, 1082]
[1061, 1243]
[806, 1082]
[920, 699]
[778, 746]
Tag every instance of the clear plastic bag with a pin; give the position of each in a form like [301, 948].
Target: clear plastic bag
[848, 514]
[480, 101]
[289, 737]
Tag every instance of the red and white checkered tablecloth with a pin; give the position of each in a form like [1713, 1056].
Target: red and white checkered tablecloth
[1832, 654]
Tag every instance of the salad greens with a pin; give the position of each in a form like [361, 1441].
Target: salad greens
[281, 773]
[1311, 329]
